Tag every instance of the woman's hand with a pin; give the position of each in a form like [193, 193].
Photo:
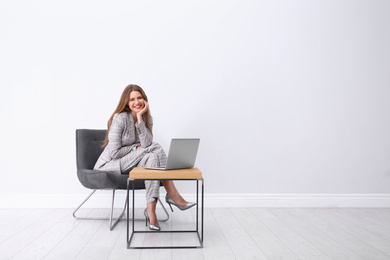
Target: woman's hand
[146, 107]
[143, 111]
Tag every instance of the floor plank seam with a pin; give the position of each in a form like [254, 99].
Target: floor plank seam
[224, 236]
[58, 221]
[331, 238]
[361, 240]
[70, 231]
[314, 245]
[277, 235]
[258, 246]
[90, 238]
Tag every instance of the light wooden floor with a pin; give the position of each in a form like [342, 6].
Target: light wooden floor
[237, 233]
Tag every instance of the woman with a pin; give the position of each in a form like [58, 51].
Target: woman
[129, 143]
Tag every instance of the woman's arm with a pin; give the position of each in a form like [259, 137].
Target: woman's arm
[115, 138]
[145, 136]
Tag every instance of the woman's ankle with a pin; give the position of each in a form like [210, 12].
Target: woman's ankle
[151, 209]
[152, 216]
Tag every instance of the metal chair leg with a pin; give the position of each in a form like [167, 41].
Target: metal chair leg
[165, 210]
[82, 203]
[112, 225]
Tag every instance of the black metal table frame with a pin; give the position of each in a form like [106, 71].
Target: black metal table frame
[200, 236]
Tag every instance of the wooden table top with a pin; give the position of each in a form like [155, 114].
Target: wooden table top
[142, 173]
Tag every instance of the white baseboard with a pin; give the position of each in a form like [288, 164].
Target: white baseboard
[102, 199]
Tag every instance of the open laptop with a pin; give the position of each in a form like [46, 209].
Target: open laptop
[182, 154]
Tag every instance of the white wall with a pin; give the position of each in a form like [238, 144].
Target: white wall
[288, 97]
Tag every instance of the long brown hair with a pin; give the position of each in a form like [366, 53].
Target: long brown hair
[123, 105]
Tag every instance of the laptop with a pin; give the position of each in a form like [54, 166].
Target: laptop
[182, 154]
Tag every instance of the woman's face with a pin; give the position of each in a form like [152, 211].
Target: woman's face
[136, 101]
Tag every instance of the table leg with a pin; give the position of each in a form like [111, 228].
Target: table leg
[127, 220]
[197, 205]
[202, 207]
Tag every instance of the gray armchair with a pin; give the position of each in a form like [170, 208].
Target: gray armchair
[88, 150]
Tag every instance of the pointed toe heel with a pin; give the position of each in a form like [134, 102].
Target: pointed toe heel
[151, 227]
[170, 202]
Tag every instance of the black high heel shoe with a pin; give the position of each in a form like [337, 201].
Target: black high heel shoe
[151, 227]
[171, 202]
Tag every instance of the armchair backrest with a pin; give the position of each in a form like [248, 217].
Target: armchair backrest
[88, 147]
